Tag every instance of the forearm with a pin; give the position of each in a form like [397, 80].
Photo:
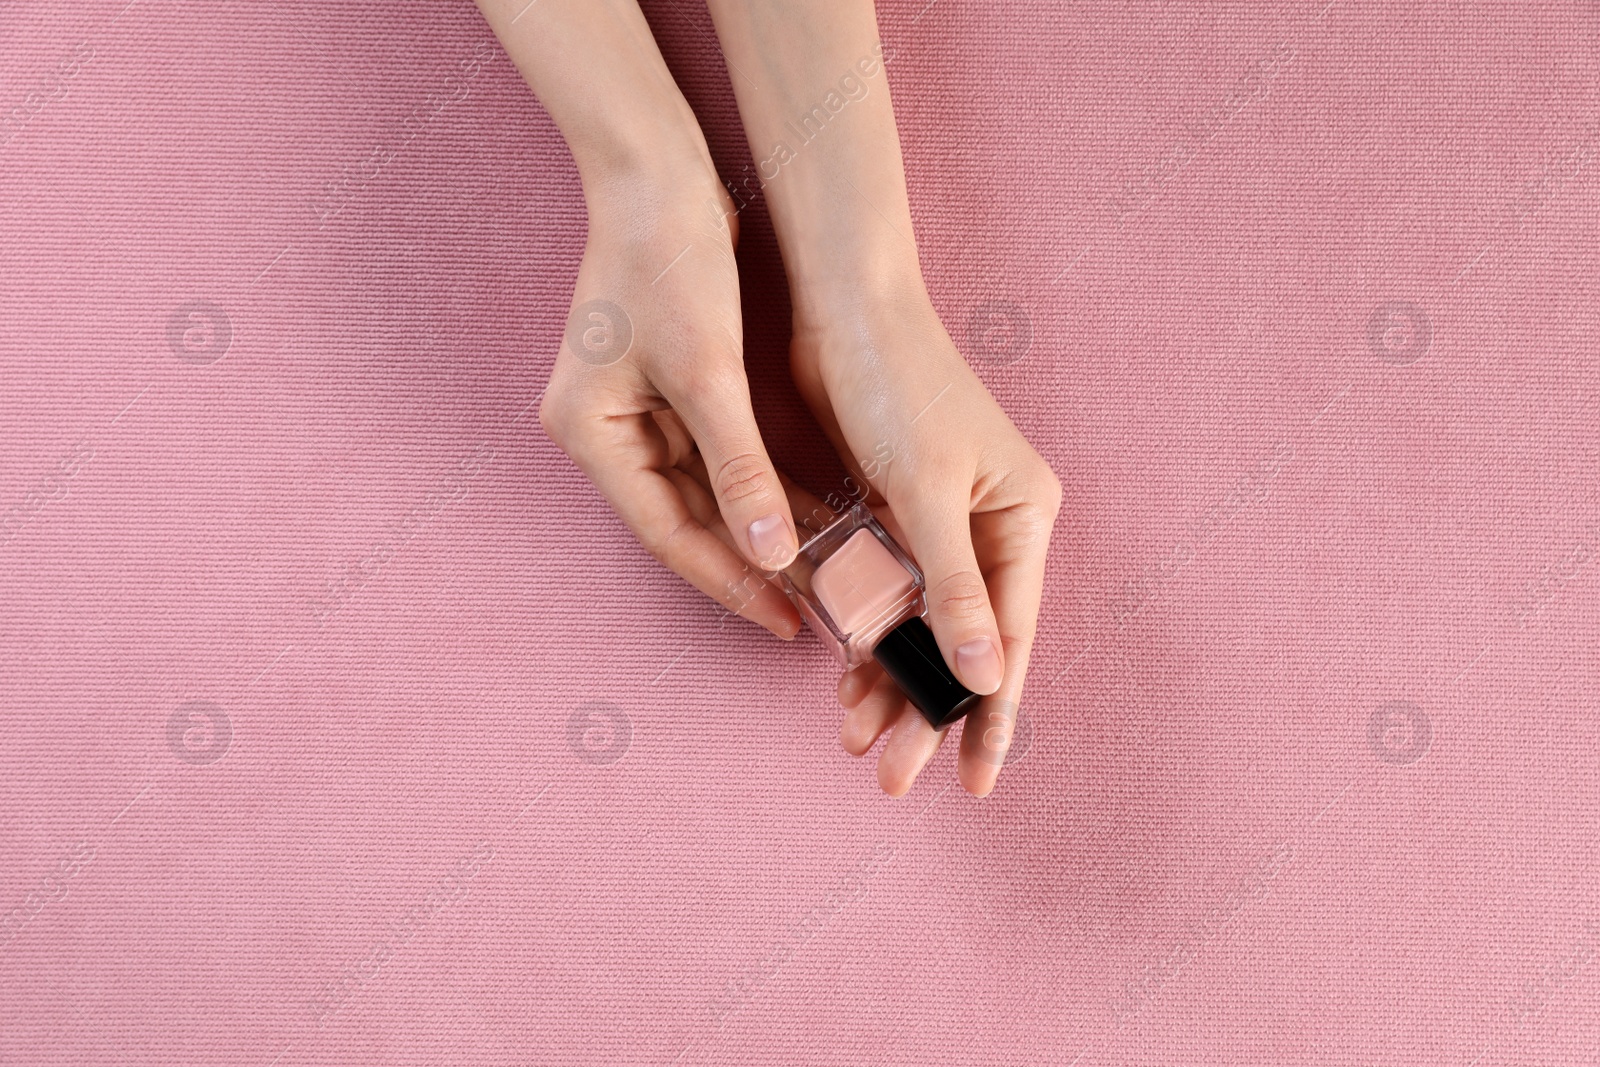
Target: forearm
[813, 92]
[595, 67]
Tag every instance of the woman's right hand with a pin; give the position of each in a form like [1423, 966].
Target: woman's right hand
[649, 395]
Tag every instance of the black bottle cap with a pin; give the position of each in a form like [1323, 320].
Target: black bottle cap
[912, 658]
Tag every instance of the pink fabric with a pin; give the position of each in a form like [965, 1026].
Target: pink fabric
[344, 725]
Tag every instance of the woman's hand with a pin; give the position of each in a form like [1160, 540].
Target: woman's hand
[650, 387]
[650, 377]
[975, 502]
[969, 497]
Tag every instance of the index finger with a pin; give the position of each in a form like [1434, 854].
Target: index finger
[625, 456]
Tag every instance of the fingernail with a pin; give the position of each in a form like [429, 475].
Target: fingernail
[772, 542]
[979, 666]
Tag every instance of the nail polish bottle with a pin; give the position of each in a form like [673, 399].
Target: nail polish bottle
[863, 595]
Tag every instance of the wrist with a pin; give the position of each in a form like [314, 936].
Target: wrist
[855, 289]
[843, 223]
[646, 170]
[889, 324]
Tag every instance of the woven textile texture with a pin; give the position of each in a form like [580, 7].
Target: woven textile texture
[344, 724]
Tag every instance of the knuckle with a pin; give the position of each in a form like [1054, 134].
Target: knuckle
[1034, 484]
[554, 417]
[716, 371]
[1016, 648]
[1034, 514]
[662, 542]
[961, 596]
[743, 477]
[1050, 491]
[1032, 523]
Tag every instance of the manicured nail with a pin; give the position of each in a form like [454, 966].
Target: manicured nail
[772, 542]
[978, 664]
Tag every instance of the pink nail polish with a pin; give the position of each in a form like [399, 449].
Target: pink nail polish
[863, 595]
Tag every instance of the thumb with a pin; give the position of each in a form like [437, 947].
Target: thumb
[938, 530]
[717, 411]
